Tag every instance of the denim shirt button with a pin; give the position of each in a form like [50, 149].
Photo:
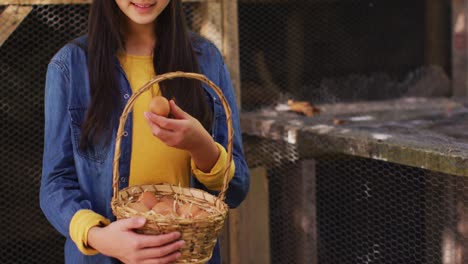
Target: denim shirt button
[126, 96]
[125, 133]
[122, 179]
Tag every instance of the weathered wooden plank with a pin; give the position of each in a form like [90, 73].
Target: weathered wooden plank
[459, 48]
[252, 232]
[418, 132]
[295, 48]
[10, 19]
[232, 245]
[219, 24]
[224, 241]
[211, 25]
[307, 216]
[231, 45]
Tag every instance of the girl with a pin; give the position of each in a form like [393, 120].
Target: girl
[88, 83]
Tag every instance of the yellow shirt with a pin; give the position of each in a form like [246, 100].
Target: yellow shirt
[151, 160]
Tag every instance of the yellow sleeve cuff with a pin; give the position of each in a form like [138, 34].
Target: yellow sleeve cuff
[213, 179]
[81, 223]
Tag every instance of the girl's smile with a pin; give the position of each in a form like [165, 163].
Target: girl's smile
[142, 12]
[143, 7]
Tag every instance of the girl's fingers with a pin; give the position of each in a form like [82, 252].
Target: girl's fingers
[177, 112]
[159, 252]
[130, 223]
[163, 134]
[163, 122]
[151, 241]
[156, 129]
[165, 260]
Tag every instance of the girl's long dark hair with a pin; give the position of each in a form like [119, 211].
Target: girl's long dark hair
[173, 52]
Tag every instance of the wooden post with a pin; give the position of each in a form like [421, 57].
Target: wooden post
[306, 215]
[230, 48]
[212, 27]
[220, 26]
[436, 33]
[252, 232]
[459, 48]
[231, 44]
[295, 49]
[252, 223]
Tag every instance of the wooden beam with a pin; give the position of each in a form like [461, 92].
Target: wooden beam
[252, 232]
[10, 19]
[69, 2]
[295, 48]
[459, 48]
[219, 25]
[306, 214]
[224, 241]
[211, 25]
[231, 44]
[437, 33]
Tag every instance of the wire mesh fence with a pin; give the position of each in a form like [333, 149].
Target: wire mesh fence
[329, 51]
[27, 237]
[367, 211]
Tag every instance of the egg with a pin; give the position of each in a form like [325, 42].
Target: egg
[188, 210]
[148, 199]
[162, 208]
[159, 105]
[138, 206]
[167, 199]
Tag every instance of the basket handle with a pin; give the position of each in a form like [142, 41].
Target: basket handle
[147, 86]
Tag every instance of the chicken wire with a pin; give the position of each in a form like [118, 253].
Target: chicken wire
[366, 210]
[27, 237]
[337, 51]
[348, 52]
[348, 209]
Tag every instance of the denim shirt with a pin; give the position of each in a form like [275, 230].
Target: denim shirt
[73, 179]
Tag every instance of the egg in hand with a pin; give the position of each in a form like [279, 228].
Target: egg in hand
[160, 105]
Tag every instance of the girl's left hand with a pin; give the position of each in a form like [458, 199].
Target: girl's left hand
[183, 131]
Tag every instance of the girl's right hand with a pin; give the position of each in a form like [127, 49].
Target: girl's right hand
[118, 240]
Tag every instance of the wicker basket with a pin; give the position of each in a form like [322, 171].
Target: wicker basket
[199, 234]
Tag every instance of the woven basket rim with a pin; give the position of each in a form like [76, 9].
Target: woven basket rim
[218, 207]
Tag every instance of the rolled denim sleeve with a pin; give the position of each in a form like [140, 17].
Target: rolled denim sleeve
[239, 184]
[60, 195]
